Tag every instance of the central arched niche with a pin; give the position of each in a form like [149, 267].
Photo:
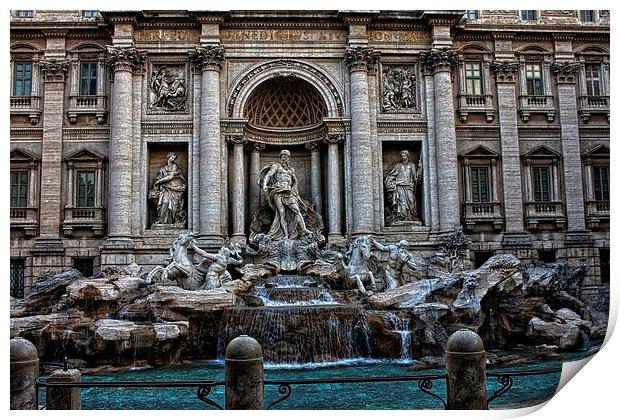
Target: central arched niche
[285, 102]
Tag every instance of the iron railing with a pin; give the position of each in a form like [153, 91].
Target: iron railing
[285, 386]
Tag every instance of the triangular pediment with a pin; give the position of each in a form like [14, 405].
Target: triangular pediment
[22, 155]
[542, 151]
[85, 155]
[481, 151]
[598, 150]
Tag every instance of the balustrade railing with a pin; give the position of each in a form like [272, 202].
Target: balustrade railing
[21, 214]
[589, 103]
[544, 208]
[476, 101]
[536, 102]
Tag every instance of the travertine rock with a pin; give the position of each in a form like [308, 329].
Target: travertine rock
[564, 335]
[174, 303]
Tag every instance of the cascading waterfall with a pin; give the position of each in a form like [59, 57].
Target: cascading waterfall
[287, 296]
[400, 326]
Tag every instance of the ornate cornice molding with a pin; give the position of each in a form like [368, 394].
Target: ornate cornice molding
[125, 58]
[439, 60]
[207, 58]
[334, 138]
[54, 70]
[505, 72]
[361, 58]
[565, 72]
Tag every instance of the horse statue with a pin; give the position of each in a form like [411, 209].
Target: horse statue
[181, 269]
[361, 265]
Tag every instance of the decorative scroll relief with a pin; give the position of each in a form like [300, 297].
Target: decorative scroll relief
[156, 35]
[280, 35]
[399, 89]
[399, 37]
[168, 88]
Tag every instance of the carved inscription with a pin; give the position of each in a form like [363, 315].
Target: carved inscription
[233, 35]
[183, 35]
[401, 37]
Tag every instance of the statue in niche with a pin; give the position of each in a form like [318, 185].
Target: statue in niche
[400, 183]
[167, 192]
[399, 256]
[169, 89]
[285, 215]
[399, 89]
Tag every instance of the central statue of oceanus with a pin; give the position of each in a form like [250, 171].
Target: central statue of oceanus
[285, 215]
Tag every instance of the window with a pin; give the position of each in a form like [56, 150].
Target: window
[85, 189]
[601, 183]
[17, 277]
[22, 78]
[473, 79]
[529, 15]
[480, 184]
[91, 13]
[25, 13]
[587, 15]
[19, 189]
[603, 255]
[542, 183]
[533, 78]
[88, 78]
[84, 266]
[471, 14]
[593, 79]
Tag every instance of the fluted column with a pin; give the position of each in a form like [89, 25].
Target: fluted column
[209, 61]
[123, 60]
[566, 75]
[440, 62]
[315, 176]
[238, 189]
[255, 191]
[334, 187]
[358, 59]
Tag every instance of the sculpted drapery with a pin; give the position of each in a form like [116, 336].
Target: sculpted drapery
[400, 184]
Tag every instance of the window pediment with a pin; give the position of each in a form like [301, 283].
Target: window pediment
[481, 152]
[85, 156]
[599, 150]
[19, 155]
[541, 152]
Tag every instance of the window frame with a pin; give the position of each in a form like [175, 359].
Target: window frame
[93, 82]
[525, 15]
[481, 186]
[23, 79]
[471, 14]
[589, 80]
[85, 198]
[24, 13]
[599, 183]
[582, 14]
[469, 78]
[22, 187]
[539, 195]
[536, 89]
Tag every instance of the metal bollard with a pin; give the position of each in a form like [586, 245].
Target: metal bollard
[466, 371]
[60, 398]
[24, 374]
[244, 374]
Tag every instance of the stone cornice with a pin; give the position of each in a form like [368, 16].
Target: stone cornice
[439, 59]
[54, 33]
[54, 70]
[360, 58]
[207, 58]
[565, 72]
[125, 58]
[388, 126]
[505, 72]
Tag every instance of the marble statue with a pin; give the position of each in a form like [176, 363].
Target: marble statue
[216, 274]
[285, 215]
[167, 192]
[398, 257]
[359, 269]
[400, 183]
[169, 89]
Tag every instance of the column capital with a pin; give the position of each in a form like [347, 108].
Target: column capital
[565, 72]
[255, 146]
[207, 58]
[439, 60]
[54, 70]
[312, 146]
[237, 139]
[360, 58]
[334, 138]
[505, 72]
[125, 58]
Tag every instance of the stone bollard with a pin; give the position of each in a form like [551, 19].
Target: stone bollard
[466, 371]
[24, 374]
[58, 398]
[244, 374]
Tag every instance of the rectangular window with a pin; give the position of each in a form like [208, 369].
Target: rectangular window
[601, 183]
[91, 13]
[84, 266]
[603, 255]
[529, 15]
[85, 189]
[471, 14]
[480, 185]
[18, 269]
[542, 183]
[593, 79]
[25, 13]
[473, 79]
[19, 189]
[533, 77]
[88, 78]
[587, 15]
[22, 78]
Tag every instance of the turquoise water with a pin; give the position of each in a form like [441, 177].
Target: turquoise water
[380, 395]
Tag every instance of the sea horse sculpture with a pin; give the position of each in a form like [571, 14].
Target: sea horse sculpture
[359, 270]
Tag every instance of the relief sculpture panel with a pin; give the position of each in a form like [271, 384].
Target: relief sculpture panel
[168, 88]
[399, 91]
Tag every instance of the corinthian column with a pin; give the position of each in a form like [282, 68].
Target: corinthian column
[255, 190]
[238, 190]
[209, 61]
[315, 176]
[440, 62]
[122, 60]
[358, 59]
[334, 203]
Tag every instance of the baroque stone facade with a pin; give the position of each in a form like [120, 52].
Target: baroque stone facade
[507, 118]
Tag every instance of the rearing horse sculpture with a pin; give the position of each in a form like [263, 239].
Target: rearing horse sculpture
[358, 271]
[181, 269]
